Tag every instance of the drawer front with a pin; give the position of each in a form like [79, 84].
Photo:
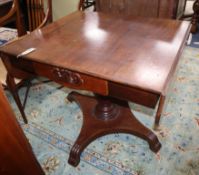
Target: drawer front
[72, 79]
[63, 76]
[135, 95]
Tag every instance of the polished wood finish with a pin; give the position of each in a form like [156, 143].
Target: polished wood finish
[133, 94]
[37, 17]
[195, 18]
[108, 45]
[146, 8]
[102, 53]
[57, 74]
[130, 7]
[13, 14]
[110, 116]
[16, 153]
[5, 6]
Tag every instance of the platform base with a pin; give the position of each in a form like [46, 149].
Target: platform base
[102, 116]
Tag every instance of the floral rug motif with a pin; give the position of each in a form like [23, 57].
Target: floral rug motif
[54, 124]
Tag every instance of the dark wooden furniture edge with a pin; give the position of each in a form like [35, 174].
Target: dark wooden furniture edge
[103, 87]
[107, 115]
[169, 78]
[16, 153]
[133, 94]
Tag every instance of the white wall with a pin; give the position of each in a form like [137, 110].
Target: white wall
[63, 7]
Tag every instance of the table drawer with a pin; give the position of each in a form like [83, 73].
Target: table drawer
[72, 79]
[135, 95]
[68, 78]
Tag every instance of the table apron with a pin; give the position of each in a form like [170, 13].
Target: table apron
[135, 95]
[76, 80]
[66, 77]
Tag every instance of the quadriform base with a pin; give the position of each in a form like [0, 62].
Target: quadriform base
[105, 115]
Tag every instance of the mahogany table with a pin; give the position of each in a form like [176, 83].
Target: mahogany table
[120, 59]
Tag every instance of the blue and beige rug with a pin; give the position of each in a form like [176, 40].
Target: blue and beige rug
[54, 125]
[7, 34]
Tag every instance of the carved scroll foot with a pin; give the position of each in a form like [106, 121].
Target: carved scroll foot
[74, 157]
[102, 116]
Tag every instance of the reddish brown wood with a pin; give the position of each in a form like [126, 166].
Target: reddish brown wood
[12, 70]
[133, 94]
[83, 81]
[146, 8]
[14, 14]
[13, 87]
[103, 52]
[96, 124]
[136, 7]
[195, 18]
[106, 109]
[159, 111]
[17, 157]
[114, 47]
[5, 6]
[120, 41]
[22, 68]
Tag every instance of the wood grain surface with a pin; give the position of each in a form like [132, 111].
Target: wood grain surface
[145, 8]
[132, 51]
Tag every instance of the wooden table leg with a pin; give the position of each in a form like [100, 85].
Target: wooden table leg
[81, 5]
[195, 18]
[102, 116]
[12, 86]
[159, 111]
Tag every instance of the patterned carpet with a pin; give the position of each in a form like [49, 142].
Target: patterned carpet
[54, 124]
[195, 40]
[6, 34]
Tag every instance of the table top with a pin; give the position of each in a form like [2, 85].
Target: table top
[134, 51]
